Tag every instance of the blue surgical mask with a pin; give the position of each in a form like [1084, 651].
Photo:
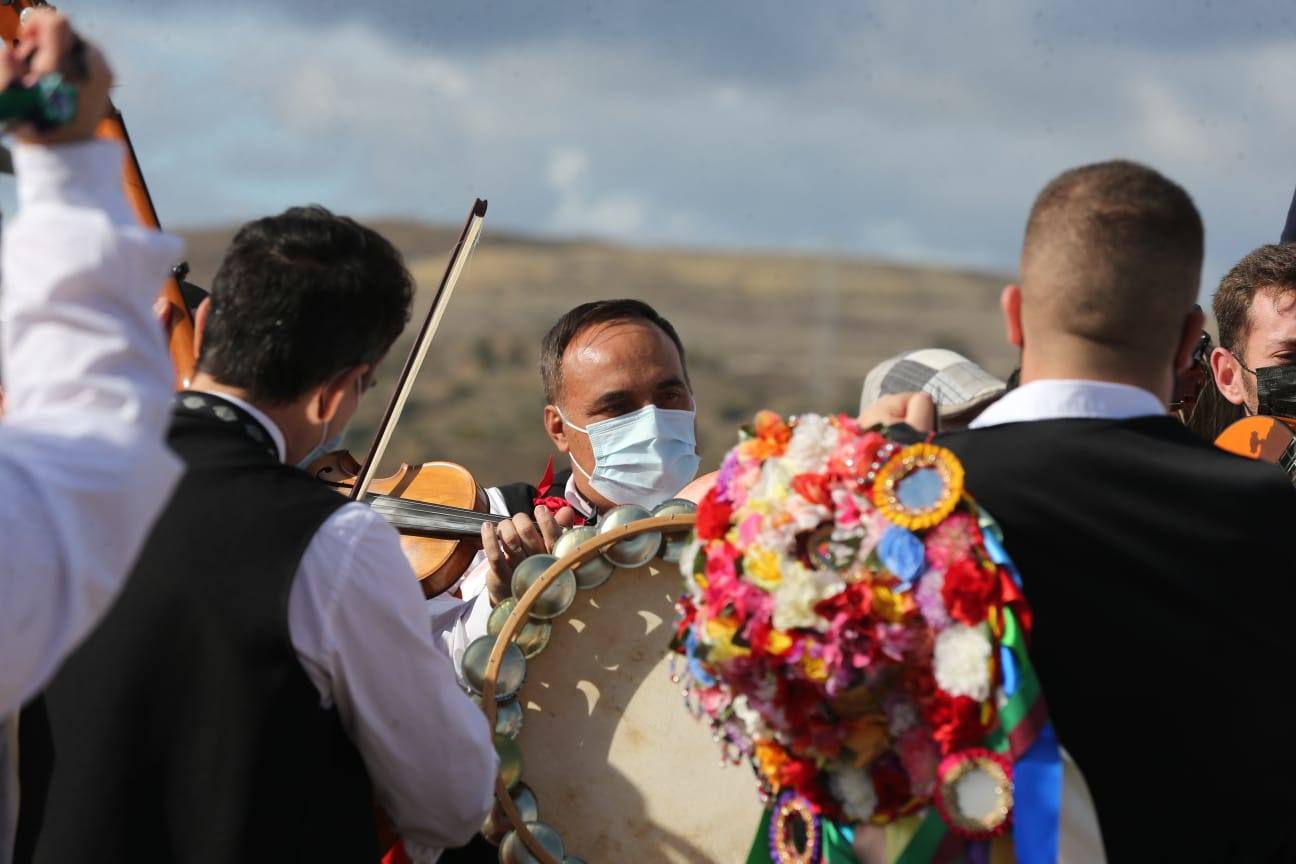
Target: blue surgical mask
[325, 447]
[328, 443]
[644, 458]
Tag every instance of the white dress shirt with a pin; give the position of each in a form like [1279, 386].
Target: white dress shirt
[88, 383]
[1080, 840]
[1057, 398]
[357, 622]
[462, 619]
[84, 471]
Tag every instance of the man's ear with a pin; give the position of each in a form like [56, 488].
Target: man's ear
[1228, 374]
[334, 392]
[1188, 339]
[1010, 301]
[556, 429]
[200, 325]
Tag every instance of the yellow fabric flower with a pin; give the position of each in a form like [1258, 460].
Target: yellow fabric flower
[778, 643]
[815, 668]
[890, 605]
[720, 633]
[761, 567]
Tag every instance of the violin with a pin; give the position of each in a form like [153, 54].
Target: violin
[181, 329]
[1268, 439]
[438, 507]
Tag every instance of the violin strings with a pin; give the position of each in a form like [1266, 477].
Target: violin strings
[422, 508]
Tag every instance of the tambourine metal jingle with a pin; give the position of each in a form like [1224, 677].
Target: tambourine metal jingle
[532, 638]
[674, 542]
[554, 600]
[633, 551]
[512, 671]
[594, 572]
[497, 824]
[514, 851]
[510, 760]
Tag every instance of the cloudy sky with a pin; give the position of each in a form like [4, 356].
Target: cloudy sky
[906, 129]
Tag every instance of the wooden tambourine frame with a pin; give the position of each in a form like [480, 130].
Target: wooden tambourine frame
[582, 554]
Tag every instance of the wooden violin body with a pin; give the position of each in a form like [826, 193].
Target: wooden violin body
[437, 507]
[1268, 439]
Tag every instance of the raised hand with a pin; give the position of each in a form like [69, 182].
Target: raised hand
[46, 44]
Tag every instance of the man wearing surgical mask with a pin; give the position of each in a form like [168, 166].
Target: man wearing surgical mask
[1255, 305]
[620, 411]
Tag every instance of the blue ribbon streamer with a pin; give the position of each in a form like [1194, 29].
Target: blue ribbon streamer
[1037, 774]
[1037, 800]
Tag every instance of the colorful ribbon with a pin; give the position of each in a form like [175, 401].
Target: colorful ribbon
[1023, 732]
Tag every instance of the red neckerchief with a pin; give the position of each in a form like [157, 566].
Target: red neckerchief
[553, 503]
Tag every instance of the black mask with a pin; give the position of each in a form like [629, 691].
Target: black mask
[1276, 391]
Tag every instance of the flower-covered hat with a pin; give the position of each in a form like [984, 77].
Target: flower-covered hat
[852, 628]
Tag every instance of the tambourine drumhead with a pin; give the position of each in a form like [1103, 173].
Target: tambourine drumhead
[618, 766]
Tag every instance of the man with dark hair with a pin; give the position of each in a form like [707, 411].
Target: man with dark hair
[1129, 531]
[619, 405]
[269, 671]
[1255, 306]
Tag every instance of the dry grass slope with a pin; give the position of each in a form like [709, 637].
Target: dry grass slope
[789, 332]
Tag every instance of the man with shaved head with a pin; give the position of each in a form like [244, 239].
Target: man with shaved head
[1158, 568]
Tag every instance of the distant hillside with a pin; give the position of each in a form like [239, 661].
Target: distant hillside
[790, 332]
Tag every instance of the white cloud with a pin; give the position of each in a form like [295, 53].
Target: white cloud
[905, 135]
[567, 165]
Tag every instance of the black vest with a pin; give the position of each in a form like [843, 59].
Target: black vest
[1160, 572]
[185, 729]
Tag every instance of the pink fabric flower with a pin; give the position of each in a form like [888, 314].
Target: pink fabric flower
[950, 540]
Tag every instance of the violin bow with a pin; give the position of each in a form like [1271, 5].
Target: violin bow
[113, 128]
[418, 351]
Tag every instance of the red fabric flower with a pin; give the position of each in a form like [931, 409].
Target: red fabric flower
[892, 786]
[955, 721]
[798, 773]
[855, 458]
[813, 488]
[552, 503]
[713, 516]
[969, 590]
[855, 602]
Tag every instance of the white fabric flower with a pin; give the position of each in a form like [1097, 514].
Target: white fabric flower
[814, 440]
[853, 787]
[751, 719]
[901, 716]
[962, 662]
[688, 561]
[798, 594]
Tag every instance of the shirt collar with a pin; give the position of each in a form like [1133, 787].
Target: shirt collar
[1056, 399]
[579, 502]
[258, 415]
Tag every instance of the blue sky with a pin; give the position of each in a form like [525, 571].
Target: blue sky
[911, 130]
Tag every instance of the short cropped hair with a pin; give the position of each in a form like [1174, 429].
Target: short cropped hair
[1113, 254]
[299, 298]
[1272, 266]
[587, 315]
